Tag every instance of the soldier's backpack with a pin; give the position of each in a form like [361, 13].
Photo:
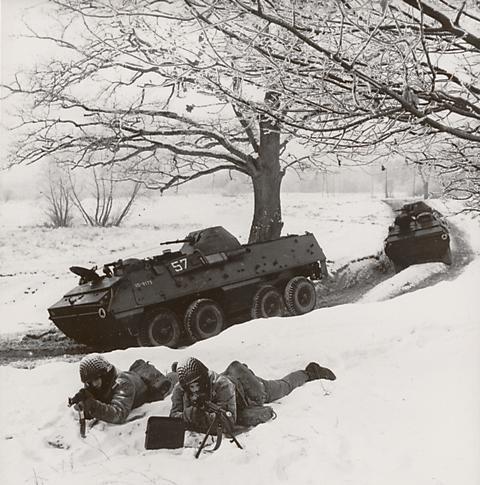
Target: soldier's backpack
[254, 415]
[159, 385]
[251, 409]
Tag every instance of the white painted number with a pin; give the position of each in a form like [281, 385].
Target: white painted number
[179, 265]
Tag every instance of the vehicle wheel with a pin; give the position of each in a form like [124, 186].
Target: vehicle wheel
[267, 302]
[162, 329]
[203, 319]
[300, 295]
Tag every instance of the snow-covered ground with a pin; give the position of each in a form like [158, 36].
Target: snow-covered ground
[404, 408]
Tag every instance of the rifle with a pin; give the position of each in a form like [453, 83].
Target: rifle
[221, 423]
[78, 399]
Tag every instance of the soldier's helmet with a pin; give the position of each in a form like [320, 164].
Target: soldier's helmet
[191, 370]
[93, 366]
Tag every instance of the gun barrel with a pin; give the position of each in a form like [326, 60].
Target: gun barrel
[74, 400]
[187, 239]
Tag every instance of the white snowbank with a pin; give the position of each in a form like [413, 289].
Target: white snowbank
[409, 278]
[404, 408]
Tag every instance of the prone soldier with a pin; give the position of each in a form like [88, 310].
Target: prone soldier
[110, 395]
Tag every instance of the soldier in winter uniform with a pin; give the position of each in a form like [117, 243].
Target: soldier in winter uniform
[108, 394]
[236, 391]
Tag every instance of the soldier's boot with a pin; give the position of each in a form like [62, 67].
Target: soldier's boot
[315, 371]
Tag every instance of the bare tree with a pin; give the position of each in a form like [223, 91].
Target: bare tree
[423, 158]
[452, 162]
[425, 172]
[58, 197]
[104, 195]
[182, 89]
[460, 174]
[423, 56]
[412, 62]
[114, 98]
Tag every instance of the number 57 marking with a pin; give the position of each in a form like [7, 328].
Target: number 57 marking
[179, 265]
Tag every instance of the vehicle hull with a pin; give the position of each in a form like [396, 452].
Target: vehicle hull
[418, 238]
[111, 309]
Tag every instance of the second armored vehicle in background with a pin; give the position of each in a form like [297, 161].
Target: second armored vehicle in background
[419, 235]
[193, 293]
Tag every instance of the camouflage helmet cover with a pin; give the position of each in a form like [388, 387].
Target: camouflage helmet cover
[191, 370]
[93, 366]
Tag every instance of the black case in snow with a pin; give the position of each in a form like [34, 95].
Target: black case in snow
[164, 432]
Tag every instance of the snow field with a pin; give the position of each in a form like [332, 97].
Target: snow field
[404, 407]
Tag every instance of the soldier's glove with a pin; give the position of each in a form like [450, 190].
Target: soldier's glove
[82, 395]
[198, 400]
[89, 406]
[198, 418]
[83, 401]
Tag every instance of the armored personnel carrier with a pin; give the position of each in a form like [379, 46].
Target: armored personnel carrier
[419, 235]
[192, 293]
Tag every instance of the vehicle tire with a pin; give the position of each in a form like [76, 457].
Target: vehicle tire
[300, 296]
[162, 329]
[203, 319]
[267, 302]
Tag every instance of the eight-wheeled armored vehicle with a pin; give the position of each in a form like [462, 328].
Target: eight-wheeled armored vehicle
[419, 235]
[193, 293]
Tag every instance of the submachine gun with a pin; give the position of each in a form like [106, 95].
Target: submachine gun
[79, 397]
[222, 423]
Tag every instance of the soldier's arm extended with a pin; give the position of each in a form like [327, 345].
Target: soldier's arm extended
[118, 409]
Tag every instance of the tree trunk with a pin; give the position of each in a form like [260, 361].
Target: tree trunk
[267, 216]
[425, 189]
